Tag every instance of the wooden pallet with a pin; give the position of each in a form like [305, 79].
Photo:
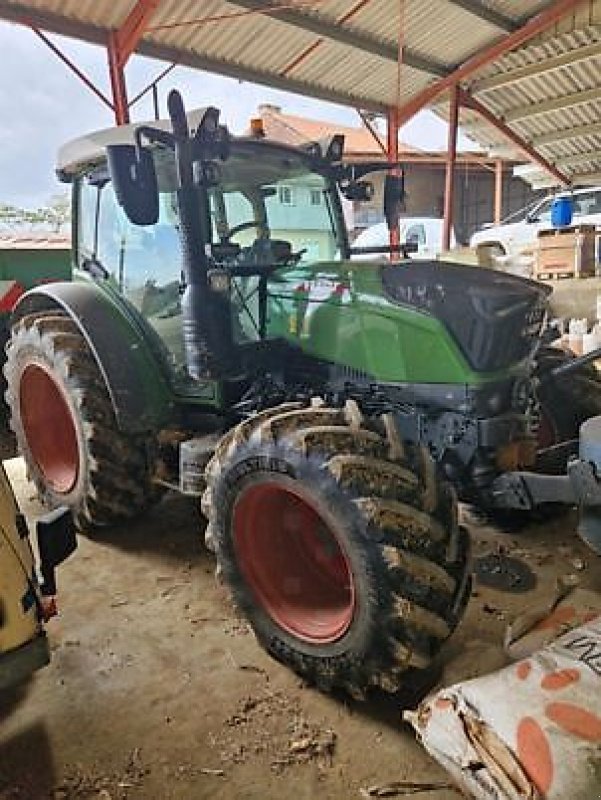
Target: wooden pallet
[566, 252]
[558, 276]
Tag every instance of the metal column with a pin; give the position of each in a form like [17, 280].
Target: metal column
[117, 76]
[449, 184]
[498, 191]
[120, 46]
[392, 147]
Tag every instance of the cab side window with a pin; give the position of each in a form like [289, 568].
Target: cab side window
[86, 220]
[143, 262]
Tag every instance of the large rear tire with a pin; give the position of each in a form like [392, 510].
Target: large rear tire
[563, 406]
[565, 403]
[62, 416]
[339, 544]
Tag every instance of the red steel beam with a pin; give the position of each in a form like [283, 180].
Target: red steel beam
[468, 101]
[120, 46]
[374, 133]
[72, 66]
[152, 84]
[449, 184]
[117, 78]
[540, 22]
[312, 47]
[133, 28]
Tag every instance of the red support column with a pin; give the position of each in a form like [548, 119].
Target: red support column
[72, 66]
[121, 45]
[117, 77]
[498, 191]
[449, 184]
[133, 28]
[392, 147]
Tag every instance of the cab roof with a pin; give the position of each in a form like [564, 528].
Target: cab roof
[74, 156]
[86, 151]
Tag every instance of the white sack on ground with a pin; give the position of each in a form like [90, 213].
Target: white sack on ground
[531, 731]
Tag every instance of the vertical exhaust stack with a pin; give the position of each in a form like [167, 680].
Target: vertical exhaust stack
[206, 313]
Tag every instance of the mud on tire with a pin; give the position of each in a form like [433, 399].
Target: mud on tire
[66, 430]
[398, 558]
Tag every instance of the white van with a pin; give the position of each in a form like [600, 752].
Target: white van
[513, 237]
[425, 232]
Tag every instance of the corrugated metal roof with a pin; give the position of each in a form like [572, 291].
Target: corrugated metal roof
[437, 34]
[346, 51]
[550, 94]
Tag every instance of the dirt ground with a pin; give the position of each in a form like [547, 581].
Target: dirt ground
[158, 691]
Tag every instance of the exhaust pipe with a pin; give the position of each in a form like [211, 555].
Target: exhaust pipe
[206, 313]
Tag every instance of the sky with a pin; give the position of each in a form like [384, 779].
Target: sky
[43, 105]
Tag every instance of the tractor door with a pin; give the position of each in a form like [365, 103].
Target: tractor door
[142, 262]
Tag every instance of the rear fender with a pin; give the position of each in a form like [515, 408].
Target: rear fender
[134, 374]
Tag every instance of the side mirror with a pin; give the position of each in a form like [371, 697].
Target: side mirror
[362, 191]
[394, 199]
[134, 180]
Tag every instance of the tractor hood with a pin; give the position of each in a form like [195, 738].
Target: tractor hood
[427, 322]
[494, 317]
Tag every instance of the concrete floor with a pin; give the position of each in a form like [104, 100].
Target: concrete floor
[157, 691]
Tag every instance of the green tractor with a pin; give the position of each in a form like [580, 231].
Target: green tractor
[328, 412]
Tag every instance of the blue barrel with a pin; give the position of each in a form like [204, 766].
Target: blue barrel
[562, 210]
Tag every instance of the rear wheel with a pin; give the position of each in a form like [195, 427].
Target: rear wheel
[339, 544]
[66, 430]
[564, 403]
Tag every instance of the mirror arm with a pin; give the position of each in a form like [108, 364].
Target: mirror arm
[154, 136]
[353, 172]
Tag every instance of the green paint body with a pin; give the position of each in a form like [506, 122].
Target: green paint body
[336, 312]
[339, 312]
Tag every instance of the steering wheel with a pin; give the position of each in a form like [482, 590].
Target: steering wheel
[243, 226]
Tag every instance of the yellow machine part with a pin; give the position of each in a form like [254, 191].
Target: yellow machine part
[18, 606]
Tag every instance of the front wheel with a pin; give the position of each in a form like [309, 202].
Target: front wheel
[342, 549]
[66, 430]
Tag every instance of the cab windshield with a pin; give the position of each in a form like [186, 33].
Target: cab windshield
[266, 206]
[273, 195]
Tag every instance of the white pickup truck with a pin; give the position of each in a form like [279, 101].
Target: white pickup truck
[512, 238]
[423, 232]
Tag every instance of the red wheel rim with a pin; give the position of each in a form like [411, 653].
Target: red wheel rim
[293, 563]
[49, 428]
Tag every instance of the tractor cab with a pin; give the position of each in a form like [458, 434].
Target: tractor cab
[268, 206]
[206, 224]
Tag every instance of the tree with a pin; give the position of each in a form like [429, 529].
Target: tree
[55, 214]
[10, 215]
